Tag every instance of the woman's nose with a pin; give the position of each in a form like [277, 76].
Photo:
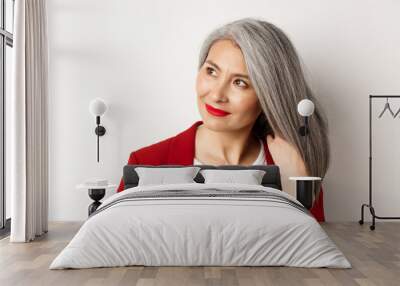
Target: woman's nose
[218, 93]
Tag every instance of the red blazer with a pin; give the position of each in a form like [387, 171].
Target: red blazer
[180, 150]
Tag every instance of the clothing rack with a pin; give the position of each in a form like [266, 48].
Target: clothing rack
[370, 205]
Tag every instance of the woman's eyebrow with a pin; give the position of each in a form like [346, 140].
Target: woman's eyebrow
[218, 68]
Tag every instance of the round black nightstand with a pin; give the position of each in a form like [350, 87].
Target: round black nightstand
[96, 193]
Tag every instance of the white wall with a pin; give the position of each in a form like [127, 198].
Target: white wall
[141, 57]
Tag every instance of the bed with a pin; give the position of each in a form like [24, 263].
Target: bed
[201, 224]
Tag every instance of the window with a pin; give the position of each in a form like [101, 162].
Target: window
[6, 44]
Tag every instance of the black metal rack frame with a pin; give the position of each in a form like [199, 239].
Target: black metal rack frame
[369, 205]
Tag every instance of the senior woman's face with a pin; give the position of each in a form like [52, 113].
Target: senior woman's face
[225, 96]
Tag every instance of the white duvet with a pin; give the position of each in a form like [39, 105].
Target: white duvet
[182, 231]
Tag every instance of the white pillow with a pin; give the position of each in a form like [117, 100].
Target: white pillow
[249, 177]
[161, 176]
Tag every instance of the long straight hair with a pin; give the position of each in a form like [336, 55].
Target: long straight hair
[275, 72]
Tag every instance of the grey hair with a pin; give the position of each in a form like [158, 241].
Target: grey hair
[276, 74]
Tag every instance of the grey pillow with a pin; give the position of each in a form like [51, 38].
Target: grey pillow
[248, 177]
[160, 176]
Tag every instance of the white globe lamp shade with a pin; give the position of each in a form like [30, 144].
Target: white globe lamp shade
[305, 107]
[97, 107]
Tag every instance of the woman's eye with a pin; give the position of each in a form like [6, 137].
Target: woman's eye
[210, 71]
[240, 83]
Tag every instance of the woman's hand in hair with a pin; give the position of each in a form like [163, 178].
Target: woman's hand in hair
[289, 161]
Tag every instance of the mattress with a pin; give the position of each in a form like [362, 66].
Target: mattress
[201, 225]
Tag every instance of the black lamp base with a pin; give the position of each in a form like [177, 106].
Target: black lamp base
[100, 130]
[96, 195]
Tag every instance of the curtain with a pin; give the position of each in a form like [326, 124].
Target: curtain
[29, 123]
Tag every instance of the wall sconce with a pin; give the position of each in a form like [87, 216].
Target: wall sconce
[305, 108]
[97, 107]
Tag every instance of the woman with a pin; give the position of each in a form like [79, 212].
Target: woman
[248, 86]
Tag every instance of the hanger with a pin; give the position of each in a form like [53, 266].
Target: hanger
[387, 107]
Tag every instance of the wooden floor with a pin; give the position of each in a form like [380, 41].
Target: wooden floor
[374, 255]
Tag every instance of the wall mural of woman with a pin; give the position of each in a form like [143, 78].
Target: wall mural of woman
[248, 86]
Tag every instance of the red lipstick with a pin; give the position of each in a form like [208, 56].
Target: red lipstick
[215, 111]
